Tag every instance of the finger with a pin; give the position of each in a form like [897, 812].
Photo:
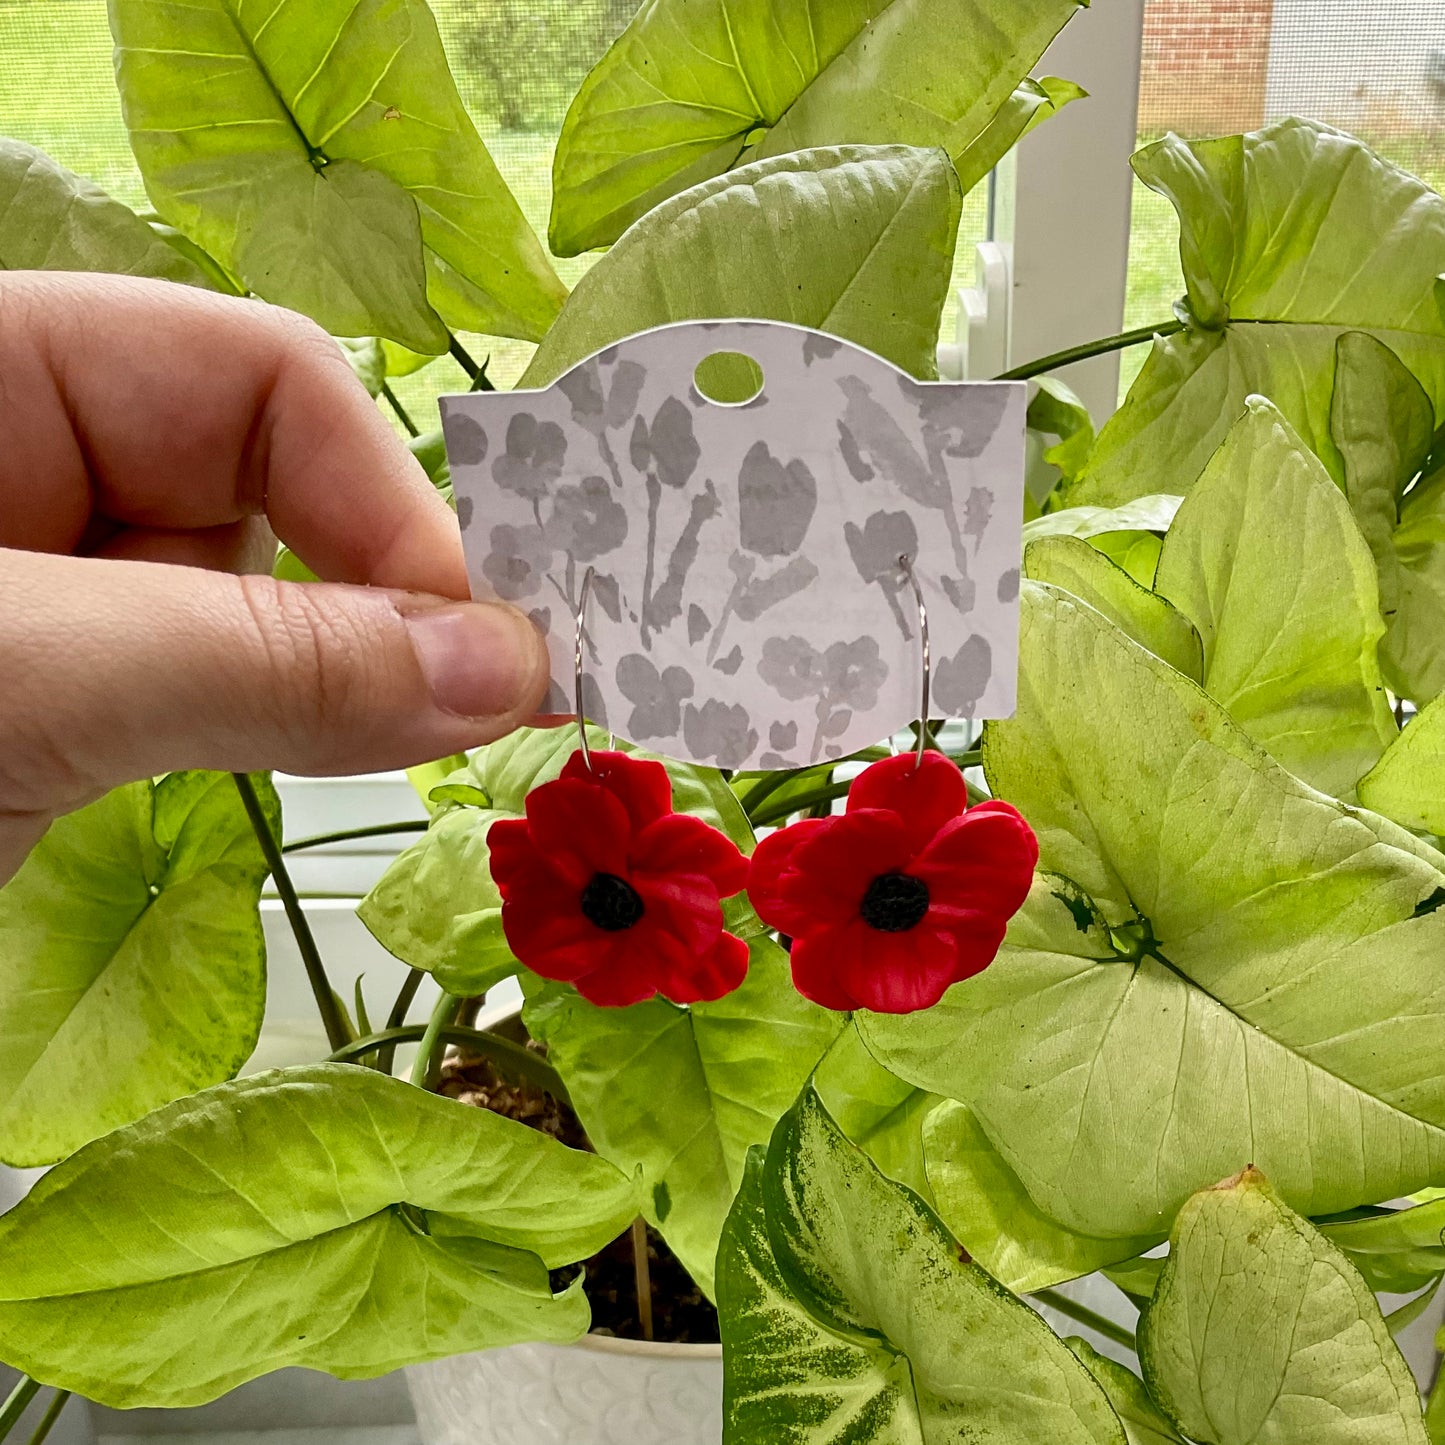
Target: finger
[171, 408]
[132, 669]
[244, 547]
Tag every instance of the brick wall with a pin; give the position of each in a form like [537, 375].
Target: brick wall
[1205, 65]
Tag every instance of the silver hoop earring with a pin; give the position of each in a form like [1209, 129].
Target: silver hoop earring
[905, 565]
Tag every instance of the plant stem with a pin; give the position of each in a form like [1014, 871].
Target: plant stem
[386, 1055]
[1082, 1314]
[642, 1275]
[401, 412]
[463, 357]
[515, 1058]
[766, 817]
[429, 1051]
[765, 787]
[468, 363]
[52, 1414]
[15, 1404]
[397, 1017]
[375, 830]
[337, 1033]
[1102, 347]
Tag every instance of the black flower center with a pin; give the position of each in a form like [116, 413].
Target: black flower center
[611, 903]
[894, 902]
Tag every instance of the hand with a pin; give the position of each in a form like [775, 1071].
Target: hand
[151, 438]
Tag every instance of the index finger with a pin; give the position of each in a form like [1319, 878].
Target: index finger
[160, 405]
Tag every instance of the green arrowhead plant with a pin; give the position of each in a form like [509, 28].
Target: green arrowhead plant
[1229, 964]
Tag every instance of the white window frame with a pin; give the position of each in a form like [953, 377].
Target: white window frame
[1055, 269]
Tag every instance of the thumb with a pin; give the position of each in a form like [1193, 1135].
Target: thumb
[117, 670]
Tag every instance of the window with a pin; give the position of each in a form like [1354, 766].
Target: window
[1217, 67]
[517, 64]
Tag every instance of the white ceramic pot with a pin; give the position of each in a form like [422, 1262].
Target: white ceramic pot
[600, 1391]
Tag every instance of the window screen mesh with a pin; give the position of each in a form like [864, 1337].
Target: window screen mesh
[1216, 67]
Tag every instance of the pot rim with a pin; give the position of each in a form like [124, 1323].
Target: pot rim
[650, 1349]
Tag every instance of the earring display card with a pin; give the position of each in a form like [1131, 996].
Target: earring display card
[748, 608]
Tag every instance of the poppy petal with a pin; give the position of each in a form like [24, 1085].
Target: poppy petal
[897, 973]
[641, 785]
[815, 970]
[580, 828]
[620, 982]
[925, 793]
[510, 851]
[680, 843]
[830, 869]
[549, 934]
[684, 907]
[715, 973]
[980, 866]
[975, 945]
[769, 871]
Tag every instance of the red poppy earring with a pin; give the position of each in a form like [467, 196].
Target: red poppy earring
[605, 887]
[906, 893]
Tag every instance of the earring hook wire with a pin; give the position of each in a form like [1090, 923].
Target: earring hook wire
[905, 565]
[582, 597]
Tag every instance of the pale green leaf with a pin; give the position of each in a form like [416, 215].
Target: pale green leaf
[53, 220]
[327, 1216]
[1408, 783]
[367, 360]
[1399, 1250]
[691, 89]
[437, 908]
[234, 110]
[216, 275]
[400, 361]
[1266, 559]
[1382, 425]
[1137, 1278]
[1136, 553]
[426, 776]
[1239, 973]
[1077, 567]
[1415, 647]
[848, 1312]
[288, 567]
[1435, 1409]
[1262, 1333]
[682, 1093]
[1144, 514]
[878, 1111]
[1405, 1315]
[1141, 1417]
[856, 240]
[1056, 410]
[133, 968]
[1305, 230]
[989, 1212]
[364, 233]
[1032, 103]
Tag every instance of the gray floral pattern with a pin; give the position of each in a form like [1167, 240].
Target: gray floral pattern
[748, 608]
[657, 697]
[719, 733]
[587, 521]
[517, 560]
